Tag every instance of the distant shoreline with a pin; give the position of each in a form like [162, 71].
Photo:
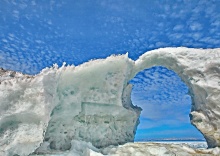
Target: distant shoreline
[169, 140]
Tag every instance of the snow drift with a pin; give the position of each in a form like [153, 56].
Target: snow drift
[91, 102]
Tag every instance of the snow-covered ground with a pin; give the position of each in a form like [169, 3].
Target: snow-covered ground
[138, 149]
[158, 149]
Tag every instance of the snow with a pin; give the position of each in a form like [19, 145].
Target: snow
[86, 109]
[26, 103]
[159, 149]
[80, 148]
[68, 103]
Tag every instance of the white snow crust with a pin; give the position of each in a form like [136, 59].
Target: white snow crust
[61, 110]
[155, 149]
[80, 148]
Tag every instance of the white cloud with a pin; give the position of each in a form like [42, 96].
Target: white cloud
[195, 26]
[178, 27]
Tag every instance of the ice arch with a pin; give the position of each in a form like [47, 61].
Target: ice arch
[200, 70]
[92, 103]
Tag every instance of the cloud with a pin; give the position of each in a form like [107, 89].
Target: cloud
[195, 26]
[178, 27]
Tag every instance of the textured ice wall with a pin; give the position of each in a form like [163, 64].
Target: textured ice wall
[200, 70]
[25, 106]
[91, 102]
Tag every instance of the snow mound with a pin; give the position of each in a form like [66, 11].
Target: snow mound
[25, 107]
[156, 149]
[63, 108]
[81, 148]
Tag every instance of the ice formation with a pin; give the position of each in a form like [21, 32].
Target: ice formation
[200, 70]
[55, 109]
[155, 149]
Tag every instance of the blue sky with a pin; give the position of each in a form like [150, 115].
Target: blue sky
[35, 34]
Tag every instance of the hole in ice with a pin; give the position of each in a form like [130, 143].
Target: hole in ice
[166, 106]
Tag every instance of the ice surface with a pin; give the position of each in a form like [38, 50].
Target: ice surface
[63, 108]
[25, 107]
[89, 102]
